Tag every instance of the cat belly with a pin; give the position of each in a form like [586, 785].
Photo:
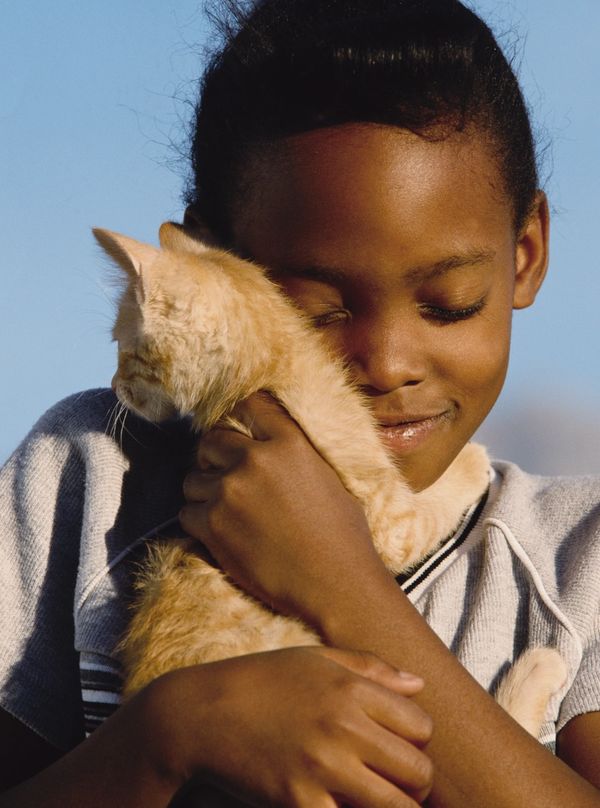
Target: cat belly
[188, 613]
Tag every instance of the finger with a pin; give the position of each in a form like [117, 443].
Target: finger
[398, 762]
[193, 518]
[201, 486]
[369, 790]
[220, 448]
[265, 416]
[310, 796]
[377, 670]
[400, 715]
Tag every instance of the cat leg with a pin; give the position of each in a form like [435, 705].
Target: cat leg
[407, 527]
[187, 612]
[529, 685]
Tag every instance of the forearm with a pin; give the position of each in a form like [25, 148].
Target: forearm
[117, 766]
[481, 757]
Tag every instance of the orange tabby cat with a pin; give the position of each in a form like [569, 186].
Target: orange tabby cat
[199, 330]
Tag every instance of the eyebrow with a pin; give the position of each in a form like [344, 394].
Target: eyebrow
[337, 277]
[460, 261]
[315, 272]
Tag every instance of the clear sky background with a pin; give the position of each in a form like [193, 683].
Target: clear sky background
[94, 103]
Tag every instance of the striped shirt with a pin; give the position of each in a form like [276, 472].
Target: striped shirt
[101, 683]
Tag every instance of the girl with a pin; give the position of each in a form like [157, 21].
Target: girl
[376, 155]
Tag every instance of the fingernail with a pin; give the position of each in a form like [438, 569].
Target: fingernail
[410, 678]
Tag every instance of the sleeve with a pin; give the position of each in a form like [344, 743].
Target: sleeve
[41, 500]
[578, 573]
[584, 694]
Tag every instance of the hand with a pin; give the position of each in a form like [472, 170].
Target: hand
[276, 517]
[309, 728]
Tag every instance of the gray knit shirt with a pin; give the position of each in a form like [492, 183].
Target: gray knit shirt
[75, 503]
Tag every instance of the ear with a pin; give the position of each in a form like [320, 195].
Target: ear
[129, 254]
[197, 228]
[532, 254]
[173, 236]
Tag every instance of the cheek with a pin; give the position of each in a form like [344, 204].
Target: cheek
[476, 365]
[478, 353]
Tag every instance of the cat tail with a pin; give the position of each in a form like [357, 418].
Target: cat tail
[529, 685]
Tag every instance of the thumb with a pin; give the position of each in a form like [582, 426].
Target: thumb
[264, 416]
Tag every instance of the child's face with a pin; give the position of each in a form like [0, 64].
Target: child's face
[404, 252]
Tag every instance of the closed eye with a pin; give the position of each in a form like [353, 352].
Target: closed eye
[330, 318]
[443, 315]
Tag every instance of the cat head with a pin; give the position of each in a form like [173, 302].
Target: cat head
[170, 316]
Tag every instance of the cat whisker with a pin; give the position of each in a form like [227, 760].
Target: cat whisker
[109, 416]
[123, 412]
[113, 420]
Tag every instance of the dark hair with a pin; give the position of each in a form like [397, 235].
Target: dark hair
[288, 66]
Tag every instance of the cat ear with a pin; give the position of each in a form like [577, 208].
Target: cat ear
[176, 237]
[131, 255]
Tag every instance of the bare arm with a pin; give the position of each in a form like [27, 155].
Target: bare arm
[335, 722]
[481, 756]
[101, 771]
[578, 744]
[23, 753]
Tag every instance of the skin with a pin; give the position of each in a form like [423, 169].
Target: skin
[360, 225]
[383, 209]
[377, 210]
[223, 724]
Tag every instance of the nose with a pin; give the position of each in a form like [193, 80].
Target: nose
[386, 353]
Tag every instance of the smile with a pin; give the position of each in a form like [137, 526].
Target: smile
[406, 435]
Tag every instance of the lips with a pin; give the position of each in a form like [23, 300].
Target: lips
[401, 419]
[404, 432]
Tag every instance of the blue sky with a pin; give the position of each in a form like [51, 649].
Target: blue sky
[93, 109]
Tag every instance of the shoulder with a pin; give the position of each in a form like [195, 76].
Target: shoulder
[551, 517]
[91, 430]
[552, 526]
[79, 491]
[555, 502]
[85, 411]
[96, 418]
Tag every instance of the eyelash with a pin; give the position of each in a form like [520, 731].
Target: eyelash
[433, 312]
[452, 315]
[330, 318]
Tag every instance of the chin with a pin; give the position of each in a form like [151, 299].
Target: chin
[419, 476]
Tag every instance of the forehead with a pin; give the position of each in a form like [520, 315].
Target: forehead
[361, 189]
